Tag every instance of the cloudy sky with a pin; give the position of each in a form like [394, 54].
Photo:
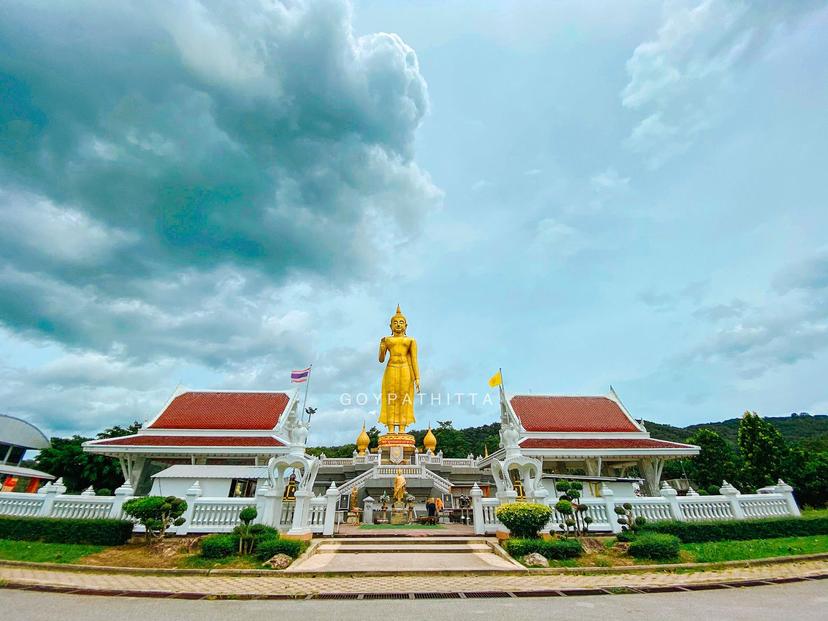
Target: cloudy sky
[212, 194]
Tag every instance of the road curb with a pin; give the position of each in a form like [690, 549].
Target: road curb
[563, 592]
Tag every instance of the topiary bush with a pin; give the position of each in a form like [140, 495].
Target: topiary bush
[219, 546]
[553, 549]
[576, 520]
[723, 530]
[655, 546]
[103, 532]
[244, 531]
[270, 546]
[630, 524]
[524, 519]
[156, 513]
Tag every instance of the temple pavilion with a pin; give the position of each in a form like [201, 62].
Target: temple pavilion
[225, 439]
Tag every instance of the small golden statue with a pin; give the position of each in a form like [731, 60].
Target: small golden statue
[290, 488]
[401, 378]
[517, 484]
[354, 499]
[399, 487]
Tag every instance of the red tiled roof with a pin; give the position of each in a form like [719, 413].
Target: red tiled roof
[601, 443]
[150, 440]
[223, 410]
[571, 414]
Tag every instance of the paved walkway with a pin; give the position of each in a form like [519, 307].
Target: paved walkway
[378, 554]
[408, 587]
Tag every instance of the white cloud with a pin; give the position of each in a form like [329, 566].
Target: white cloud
[678, 78]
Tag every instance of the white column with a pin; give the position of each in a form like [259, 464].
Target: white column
[261, 502]
[300, 513]
[477, 510]
[732, 495]
[608, 496]
[331, 500]
[651, 470]
[787, 493]
[671, 495]
[272, 507]
[191, 496]
[122, 494]
[51, 495]
[368, 510]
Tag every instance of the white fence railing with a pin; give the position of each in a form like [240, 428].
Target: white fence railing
[731, 505]
[305, 513]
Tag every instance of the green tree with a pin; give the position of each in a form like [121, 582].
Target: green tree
[807, 472]
[65, 458]
[763, 449]
[451, 441]
[716, 462]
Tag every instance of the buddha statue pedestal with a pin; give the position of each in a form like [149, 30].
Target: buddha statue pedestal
[399, 513]
[397, 448]
[353, 517]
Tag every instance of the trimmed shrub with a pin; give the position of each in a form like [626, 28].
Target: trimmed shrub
[260, 531]
[103, 491]
[553, 549]
[102, 532]
[219, 546]
[655, 546]
[723, 530]
[156, 513]
[524, 519]
[270, 546]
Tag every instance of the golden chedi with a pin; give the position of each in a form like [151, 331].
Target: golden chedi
[362, 442]
[430, 441]
[400, 381]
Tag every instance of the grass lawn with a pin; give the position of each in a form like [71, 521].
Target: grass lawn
[38, 552]
[230, 562]
[400, 526]
[717, 551]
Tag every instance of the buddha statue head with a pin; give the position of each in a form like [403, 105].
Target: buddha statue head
[398, 323]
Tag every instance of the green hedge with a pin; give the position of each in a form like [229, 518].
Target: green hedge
[553, 549]
[524, 519]
[270, 546]
[724, 530]
[66, 530]
[219, 546]
[267, 543]
[655, 546]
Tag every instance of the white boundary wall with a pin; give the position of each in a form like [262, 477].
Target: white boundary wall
[731, 505]
[204, 514]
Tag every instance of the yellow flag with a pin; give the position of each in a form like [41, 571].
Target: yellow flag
[496, 380]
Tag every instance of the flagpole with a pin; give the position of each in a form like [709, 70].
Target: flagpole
[307, 385]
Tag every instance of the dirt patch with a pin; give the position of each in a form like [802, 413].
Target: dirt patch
[168, 553]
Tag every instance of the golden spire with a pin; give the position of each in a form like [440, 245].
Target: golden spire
[363, 441]
[430, 440]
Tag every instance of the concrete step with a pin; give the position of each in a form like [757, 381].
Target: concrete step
[395, 549]
[408, 541]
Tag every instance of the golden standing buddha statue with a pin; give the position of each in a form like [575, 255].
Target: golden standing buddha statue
[401, 378]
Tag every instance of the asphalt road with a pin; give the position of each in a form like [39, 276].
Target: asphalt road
[797, 601]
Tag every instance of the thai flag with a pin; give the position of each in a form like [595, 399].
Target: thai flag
[297, 377]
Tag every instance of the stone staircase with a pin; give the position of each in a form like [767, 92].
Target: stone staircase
[379, 555]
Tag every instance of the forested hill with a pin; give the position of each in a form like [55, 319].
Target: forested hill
[804, 429]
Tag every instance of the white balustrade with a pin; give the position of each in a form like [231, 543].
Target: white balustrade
[763, 505]
[216, 515]
[316, 516]
[89, 507]
[696, 508]
[13, 503]
[320, 515]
